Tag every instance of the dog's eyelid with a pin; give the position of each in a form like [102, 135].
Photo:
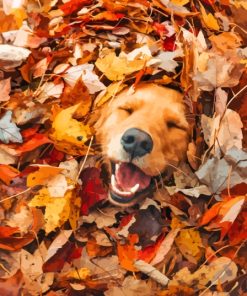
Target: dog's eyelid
[129, 110]
[174, 124]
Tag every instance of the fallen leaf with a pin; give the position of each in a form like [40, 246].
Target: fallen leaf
[8, 173]
[116, 68]
[5, 88]
[131, 286]
[215, 172]
[42, 175]
[190, 244]
[31, 266]
[89, 78]
[92, 189]
[167, 61]
[9, 132]
[57, 209]
[12, 56]
[23, 219]
[223, 214]
[220, 101]
[49, 90]
[13, 285]
[223, 133]
[109, 93]
[219, 270]
[209, 20]
[165, 246]
[71, 133]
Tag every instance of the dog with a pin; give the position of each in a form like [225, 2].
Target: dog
[141, 134]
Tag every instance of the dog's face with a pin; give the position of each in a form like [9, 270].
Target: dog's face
[141, 134]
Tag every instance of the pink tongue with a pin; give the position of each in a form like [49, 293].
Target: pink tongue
[128, 175]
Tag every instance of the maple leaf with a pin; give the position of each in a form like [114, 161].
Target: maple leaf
[92, 190]
[57, 209]
[89, 78]
[68, 133]
[209, 20]
[9, 132]
[116, 68]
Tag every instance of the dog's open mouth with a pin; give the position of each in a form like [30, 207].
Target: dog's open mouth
[128, 182]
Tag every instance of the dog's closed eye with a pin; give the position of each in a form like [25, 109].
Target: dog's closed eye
[171, 124]
[127, 110]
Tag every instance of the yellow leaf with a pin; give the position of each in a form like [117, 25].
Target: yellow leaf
[244, 62]
[57, 210]
[116, 68]
[190, 244]
[68, 133]
[41, 176]
[180, 2]
[225, 41]
[19, 15]
[74, 212]
[209, 20]
[109, 93]
[79, 274]
[166, 79]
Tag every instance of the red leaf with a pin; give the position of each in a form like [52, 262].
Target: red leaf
[74, 5]
[169, 43]
[6, 231]
[238, 231]
[160, 29]
[54, 156]
[29, 132]
[92, 190]
[67, 253]
[36, 141]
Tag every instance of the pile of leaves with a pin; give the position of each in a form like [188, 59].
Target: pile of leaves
[61, 61]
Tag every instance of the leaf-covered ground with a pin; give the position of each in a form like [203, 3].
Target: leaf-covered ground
[60, 62]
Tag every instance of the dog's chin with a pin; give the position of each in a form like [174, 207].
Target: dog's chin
[129, 184]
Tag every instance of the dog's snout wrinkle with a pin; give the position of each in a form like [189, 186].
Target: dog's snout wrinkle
[136, 142]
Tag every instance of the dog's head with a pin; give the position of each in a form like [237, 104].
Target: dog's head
[141, 134]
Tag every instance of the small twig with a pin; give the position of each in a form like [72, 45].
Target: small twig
[15, 195]
[84, 160]
[152, 272]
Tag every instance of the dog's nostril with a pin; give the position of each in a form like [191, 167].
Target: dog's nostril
[145, 145]
[129, 139]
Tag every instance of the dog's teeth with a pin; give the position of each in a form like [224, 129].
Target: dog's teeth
[117, 166]
[134, 188]
[113, 180]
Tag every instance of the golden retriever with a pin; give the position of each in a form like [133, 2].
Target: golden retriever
[141, 134]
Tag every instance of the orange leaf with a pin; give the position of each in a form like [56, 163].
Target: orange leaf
[210, 214]
[42, 175]
[127, 253]
[108, 16]
[73, 5]
[36, 141]
[6, 231]
[8, 173]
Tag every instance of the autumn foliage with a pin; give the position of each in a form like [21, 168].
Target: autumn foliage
[60, 62]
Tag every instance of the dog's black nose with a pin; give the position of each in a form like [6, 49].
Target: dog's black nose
[136, 142]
